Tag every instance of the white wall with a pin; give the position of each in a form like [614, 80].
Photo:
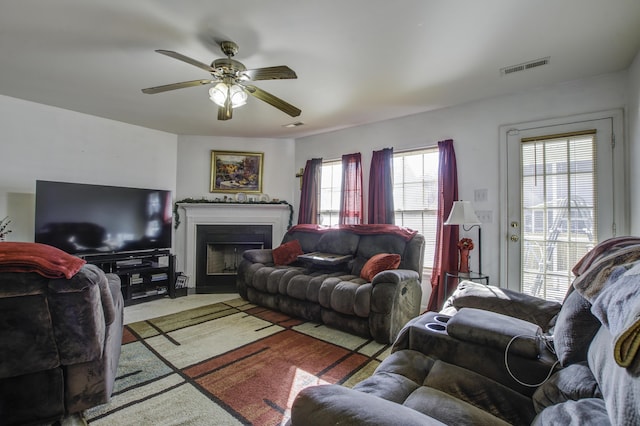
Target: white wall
[474, 128]
[194, 171]
[633, 120]
[43, 142]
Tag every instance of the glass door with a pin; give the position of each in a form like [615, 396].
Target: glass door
[561, 201]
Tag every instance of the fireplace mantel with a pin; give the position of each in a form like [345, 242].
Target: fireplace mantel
[194, 214]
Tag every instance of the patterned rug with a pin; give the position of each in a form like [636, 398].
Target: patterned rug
[230, 363]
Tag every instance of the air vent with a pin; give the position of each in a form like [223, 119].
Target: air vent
[296, 124]
[525, 66]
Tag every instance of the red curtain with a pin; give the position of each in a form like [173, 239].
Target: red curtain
[309, 197]
[381, 209]
[351, 204]
[446, 256]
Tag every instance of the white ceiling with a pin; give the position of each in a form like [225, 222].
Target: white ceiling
[357, 61]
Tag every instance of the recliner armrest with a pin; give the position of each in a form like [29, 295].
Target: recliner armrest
[333, 404]
[395, 276]
[503, 301]
[496, 330]
[258, 255]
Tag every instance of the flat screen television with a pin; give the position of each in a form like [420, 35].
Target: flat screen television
[85, 219]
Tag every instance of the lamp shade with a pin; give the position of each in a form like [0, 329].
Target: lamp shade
[462, 213]
[218, 94]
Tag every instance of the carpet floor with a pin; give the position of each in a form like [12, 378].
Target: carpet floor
[230, 363]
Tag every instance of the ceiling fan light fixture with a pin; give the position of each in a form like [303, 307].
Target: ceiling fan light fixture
[219, 93]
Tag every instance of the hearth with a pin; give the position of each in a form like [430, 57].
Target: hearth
[242, 215]
[219, 251]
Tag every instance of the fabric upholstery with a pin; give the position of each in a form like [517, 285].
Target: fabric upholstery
[571, 383]
[337, 405]
[490, 329]
[574, 329]
[620, 386]
[535, 310]
[618, 308]
[378, 263]
[584, 412]
[376, 307]
[417, 335]
[59, 343]
[452, 365]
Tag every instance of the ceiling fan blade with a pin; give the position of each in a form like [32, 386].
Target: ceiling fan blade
[281, 72]
[186, 59]
[267, 97]
[174, 86]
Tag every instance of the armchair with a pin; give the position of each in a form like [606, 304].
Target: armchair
[60, 334]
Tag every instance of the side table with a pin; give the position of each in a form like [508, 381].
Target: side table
[471, 276]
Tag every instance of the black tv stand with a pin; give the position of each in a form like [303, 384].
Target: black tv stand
[143, 276]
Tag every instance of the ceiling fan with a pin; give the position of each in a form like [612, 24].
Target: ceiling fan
[230, 78]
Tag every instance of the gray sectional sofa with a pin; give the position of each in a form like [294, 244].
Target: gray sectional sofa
[334, 292]
[497, 357]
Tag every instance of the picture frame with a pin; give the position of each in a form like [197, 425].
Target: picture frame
[236, 171]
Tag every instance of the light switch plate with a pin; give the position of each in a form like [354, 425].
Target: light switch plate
[480, 195]
[485, 216]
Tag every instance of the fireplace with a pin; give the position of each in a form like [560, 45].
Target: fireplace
[239, 215]
[219, 251]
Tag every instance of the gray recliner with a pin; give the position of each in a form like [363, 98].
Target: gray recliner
[60, 343]
[484, 360]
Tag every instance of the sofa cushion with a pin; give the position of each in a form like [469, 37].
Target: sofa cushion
[306, 286]
[338, 242]
[398, 375]
[351, 298]
[378, 263]
[481, 392]
[574, 330]
[287, 253]
[370, 245]
[571, 383]
[448, 409]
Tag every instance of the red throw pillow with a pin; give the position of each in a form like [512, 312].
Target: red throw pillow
[287, 253]
[378, 263]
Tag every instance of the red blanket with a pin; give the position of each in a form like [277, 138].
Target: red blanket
[367, 229]
[45, 260]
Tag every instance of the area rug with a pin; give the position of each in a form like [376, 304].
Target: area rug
[230, 363]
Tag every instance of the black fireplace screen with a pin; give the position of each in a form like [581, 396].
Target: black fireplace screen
[219, 251]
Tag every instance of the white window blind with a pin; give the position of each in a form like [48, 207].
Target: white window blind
[415, 194]
[559, 211]
[330, 187]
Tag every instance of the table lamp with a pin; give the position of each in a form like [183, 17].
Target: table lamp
[462, 213]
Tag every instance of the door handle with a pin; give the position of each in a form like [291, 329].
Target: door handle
[514, 238]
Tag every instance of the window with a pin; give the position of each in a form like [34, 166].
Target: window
[415, 194]
[558, 196]
[330, 187]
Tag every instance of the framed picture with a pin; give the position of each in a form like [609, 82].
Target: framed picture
[236, 171]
